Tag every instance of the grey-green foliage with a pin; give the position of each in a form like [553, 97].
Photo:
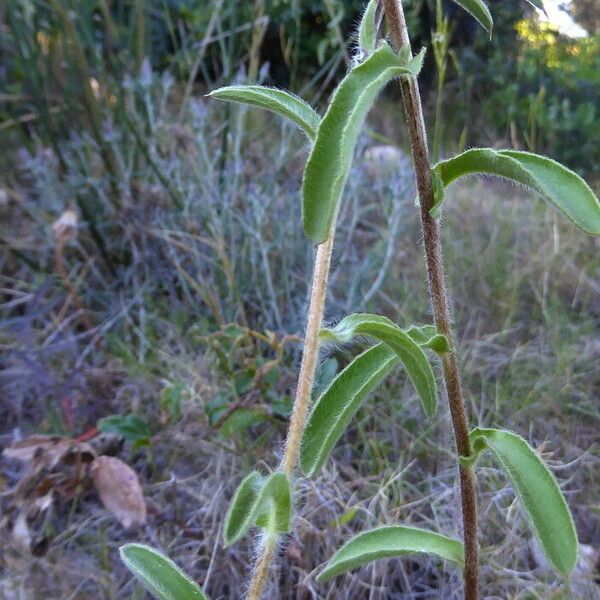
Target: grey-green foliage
[334, 409]
[159, 574]
[538, 491]
[329, 162]
[427, 336]
[275, 100]
[479, 11]
[387, 542]
[367, 33]
[262, 501]
[551, 180]
[409, 352]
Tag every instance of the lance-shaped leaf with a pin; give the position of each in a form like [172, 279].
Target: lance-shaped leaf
[409, 352]
[159, 574]
[277, 101]
[335, 408]
[537, 4]
[262, 501]
[367, 32]
[538, 491]
[337, 405]
[329, 162]
[479, 10]
[551, 180]
[388, 542]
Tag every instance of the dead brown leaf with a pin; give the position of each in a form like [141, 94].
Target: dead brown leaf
[119, 489]
[52, 465]
[47, 451]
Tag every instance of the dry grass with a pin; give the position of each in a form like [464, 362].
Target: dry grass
[526, 293]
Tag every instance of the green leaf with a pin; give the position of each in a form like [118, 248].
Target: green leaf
[413, 358]
[478, 10]
[132, 428]
[334, 409]
[241, 419]
[159, 574]
[262, 501]
[537, 4]
[387, 542]
[277, 101]
[170, 400]
[367, 34]
[538, 491]
[427, 336]
[555, 183]
[329, 162]
[339, 402]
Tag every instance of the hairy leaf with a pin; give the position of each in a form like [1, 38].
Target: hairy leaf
[159, 574]
[554, 182]
[367, 33]
[413, 358]
[479, 10]
[277, 101]
[539, 494]
[387, 542]
[427, 336]
[262, 501]
[335, 407]
[339, 402]
[329, 162]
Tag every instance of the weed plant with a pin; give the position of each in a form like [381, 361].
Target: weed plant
[265, 501]
[526, 364]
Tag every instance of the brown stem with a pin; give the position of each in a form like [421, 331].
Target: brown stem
[306, 378]
[441, 311]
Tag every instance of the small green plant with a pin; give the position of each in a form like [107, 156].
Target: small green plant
[131, 428]
[266, 502]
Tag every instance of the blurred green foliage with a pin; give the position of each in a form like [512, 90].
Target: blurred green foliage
[535, 88]
[251, 367]
[64, 62]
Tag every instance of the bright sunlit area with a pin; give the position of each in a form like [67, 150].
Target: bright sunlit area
[558, 15]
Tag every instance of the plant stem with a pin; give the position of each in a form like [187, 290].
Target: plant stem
[441, 311]
[310, 354]
[260, 572]
[306, 377]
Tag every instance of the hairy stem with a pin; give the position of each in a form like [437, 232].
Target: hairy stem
[260, 574]
[306, 378]
[441, 311]
[309, 355]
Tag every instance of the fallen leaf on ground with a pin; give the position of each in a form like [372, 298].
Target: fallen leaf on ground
[119, 489]
[47, 451]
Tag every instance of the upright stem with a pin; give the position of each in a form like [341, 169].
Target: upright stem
[441, 311]
[306, 378]
[260, 573]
